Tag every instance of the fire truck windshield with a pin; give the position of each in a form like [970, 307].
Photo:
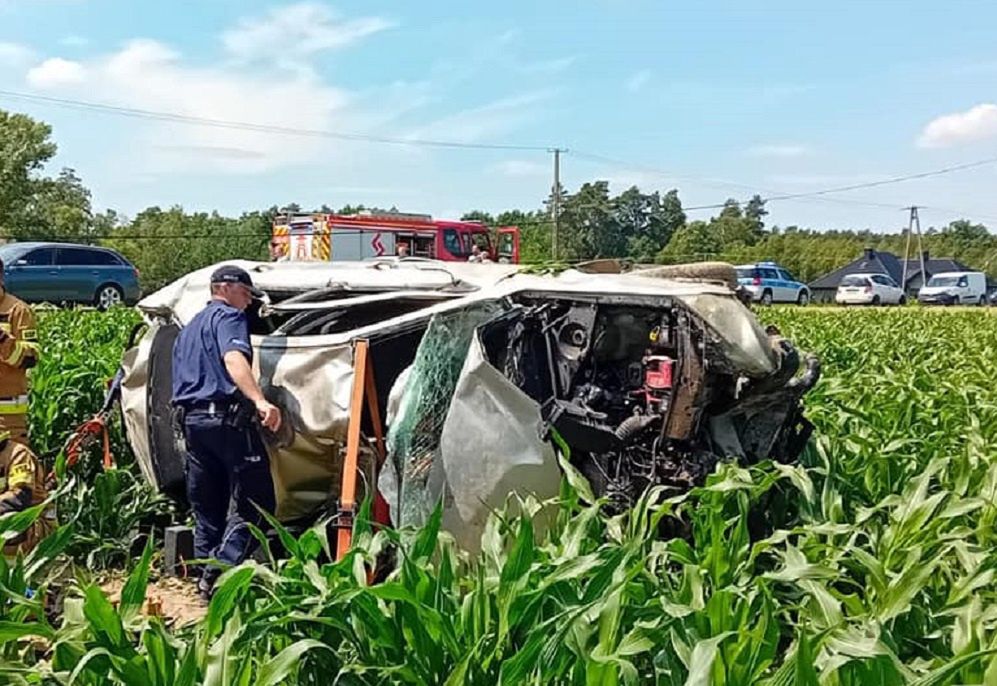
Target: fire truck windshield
[453, 243]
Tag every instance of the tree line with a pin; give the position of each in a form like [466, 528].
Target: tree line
[642, 226]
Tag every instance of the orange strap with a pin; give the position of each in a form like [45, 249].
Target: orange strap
[82, 437]
[364, 389]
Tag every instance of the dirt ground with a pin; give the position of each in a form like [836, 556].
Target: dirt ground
[173, 599]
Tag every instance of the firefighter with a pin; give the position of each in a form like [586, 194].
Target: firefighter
[218, 406]
[278, 253]
[18, 354]
[22, 485]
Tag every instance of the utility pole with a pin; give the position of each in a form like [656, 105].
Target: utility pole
[915, 221]
[556, 207]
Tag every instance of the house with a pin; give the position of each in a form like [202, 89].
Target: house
[878, 262]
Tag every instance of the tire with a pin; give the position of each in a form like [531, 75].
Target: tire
[902, 301]
[108, 295]
[875, 301]
[803, 299]
[983, 301]
[766, 297]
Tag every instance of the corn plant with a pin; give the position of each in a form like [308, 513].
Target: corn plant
[871, 562]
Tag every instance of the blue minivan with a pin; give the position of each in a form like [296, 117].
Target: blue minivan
[66, 272]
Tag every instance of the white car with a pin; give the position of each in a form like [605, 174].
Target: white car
[869, 289]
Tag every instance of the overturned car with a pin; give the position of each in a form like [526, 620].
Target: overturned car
[483, 373]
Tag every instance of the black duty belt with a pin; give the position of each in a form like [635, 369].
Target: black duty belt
[210, 406]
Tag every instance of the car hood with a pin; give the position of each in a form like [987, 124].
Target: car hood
[938, 290]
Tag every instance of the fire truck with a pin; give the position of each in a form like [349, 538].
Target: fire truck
[323, 237]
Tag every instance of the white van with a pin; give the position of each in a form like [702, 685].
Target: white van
[955, 288]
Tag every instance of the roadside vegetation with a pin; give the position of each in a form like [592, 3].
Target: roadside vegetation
[871, 562]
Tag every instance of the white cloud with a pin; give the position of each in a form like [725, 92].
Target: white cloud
[476, 124]
[296, 31]
[56, 72]
[975, 124]
[149, 75]
[783, 150]
[637, 82]
[237, 87]
[522, 168]
[15, 54]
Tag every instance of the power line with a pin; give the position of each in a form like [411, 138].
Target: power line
[718, 183]
[259, 128]
[772, 196]
[890, 180]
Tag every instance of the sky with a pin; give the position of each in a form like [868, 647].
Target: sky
[717, 99]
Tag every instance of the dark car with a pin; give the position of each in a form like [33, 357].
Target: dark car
[65, 272]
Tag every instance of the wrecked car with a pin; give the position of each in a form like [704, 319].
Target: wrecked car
[483, 373]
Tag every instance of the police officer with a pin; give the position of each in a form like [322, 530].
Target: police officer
[218, 402]
[18, 354]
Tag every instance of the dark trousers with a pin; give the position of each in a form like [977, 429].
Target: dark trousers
[228, 478]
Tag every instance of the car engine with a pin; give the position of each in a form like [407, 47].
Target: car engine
[638, 396]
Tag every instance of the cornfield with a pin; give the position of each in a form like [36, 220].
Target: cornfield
[871, 562]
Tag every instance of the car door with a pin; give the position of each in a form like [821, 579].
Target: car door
[895, 292]
[77, 272]
[107, 268]
[770, 282]
[789, 286]
[33, 277]
[962, 288]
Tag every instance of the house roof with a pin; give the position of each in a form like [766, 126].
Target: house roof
[877, 262]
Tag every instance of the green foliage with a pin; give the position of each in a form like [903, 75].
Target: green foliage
[80, 352]
[166, 244]
[872, 562]
[33, 206]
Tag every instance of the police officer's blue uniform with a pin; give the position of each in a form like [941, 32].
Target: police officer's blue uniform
[228, 471]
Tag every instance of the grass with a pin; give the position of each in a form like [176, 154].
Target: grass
[876, 565]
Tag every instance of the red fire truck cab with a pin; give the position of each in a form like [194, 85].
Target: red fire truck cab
[321, 237]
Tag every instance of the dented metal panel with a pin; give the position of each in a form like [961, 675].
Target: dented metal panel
[491, 447]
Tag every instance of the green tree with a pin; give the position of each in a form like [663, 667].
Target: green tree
[590, 228]
[165, 245]
[647, 221]
[33, 206]
[478, 216]
[58, 208]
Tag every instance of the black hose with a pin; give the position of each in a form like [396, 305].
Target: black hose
[633, 425]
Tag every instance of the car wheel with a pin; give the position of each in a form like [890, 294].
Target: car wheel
[767, 298]
[903, 300]
[875, 301]
[107, 296]
[804, 299]
[983, 301]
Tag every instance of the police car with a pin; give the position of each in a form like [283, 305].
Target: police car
[767, 283]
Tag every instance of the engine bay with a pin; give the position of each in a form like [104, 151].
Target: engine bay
[638, 395]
